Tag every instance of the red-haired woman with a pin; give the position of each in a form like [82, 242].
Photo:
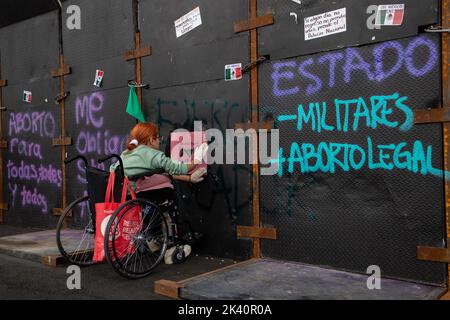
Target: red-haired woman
[143, 154]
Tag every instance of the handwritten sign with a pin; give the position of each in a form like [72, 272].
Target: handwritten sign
[188, 22]
[325, 24]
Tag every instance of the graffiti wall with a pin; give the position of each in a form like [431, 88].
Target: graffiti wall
[95, 116]
[361, 183]
[358, 182]
[98, 123]
[186, 78]
[31, 164]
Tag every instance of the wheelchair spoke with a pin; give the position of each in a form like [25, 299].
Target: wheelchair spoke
[74, 239]
[145, 242]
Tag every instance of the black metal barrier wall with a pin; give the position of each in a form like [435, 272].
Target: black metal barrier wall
[186, 79]
[186, 84]
[354, 189]
[32, 171]
[96, 118]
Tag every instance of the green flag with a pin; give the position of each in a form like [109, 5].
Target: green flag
[133, 106]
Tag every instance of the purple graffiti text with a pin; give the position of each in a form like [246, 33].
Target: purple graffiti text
[32, 172]
[98, 142]
[25, 148]
[297, 76]
[88, 110]
[36, 123]
[12, 192]
[33, 198]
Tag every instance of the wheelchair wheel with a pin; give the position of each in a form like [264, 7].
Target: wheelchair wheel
[138, 238]
[75, 233]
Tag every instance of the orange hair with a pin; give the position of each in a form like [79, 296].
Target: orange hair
[142, 132]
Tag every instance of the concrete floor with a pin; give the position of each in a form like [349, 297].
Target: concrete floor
[35, 245]
[268, 279]
[6, 230]
[27, 279]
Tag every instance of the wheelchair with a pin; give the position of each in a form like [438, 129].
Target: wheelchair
[148, 237]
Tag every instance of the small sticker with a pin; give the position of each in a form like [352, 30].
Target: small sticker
[297, 1]
[326, 24]
[27, 96]
[390, 15]
[98, 78]
[188, 22]
[233, 72]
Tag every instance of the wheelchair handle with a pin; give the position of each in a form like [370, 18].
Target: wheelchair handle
[112, 156]
[67, 161]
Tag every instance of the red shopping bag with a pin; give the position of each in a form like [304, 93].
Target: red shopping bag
[103, 212]
[129, 225]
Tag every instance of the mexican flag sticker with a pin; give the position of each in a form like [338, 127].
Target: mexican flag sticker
[98, 78]
[233, 71]
[27, 96]
[390, 15]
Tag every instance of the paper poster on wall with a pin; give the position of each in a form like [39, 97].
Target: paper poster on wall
[326, 24]
[27, 96]
[233, 72]
[188, 22]
[390, 15]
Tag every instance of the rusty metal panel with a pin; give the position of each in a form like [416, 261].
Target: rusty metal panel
[433, 254]
[445, 16]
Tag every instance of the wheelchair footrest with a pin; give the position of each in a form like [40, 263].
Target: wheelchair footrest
[177, 254]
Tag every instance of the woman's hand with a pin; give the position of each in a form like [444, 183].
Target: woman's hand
[200, 153]
[197, 176]
[200, 156]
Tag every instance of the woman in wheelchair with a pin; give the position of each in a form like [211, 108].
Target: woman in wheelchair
[143, 157]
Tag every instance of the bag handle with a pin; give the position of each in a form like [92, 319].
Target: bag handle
[127, 185]
[110, 188]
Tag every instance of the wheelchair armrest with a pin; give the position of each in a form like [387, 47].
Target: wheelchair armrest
[148, 173]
